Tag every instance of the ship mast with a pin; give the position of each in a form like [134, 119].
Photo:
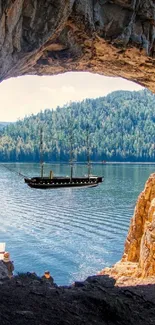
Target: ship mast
[88, 152]
[71, 156]
[41, 154]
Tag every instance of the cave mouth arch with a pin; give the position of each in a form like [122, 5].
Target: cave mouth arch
[112, 38]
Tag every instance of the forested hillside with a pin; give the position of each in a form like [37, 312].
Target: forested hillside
[3, 124]
[121, 128]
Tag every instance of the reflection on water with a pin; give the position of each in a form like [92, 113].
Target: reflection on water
[71, 232]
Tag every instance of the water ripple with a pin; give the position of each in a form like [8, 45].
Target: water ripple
[73, 233]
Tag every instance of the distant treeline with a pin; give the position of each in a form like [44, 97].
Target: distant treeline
[121, 128]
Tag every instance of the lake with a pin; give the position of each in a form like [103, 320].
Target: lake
[72, 233]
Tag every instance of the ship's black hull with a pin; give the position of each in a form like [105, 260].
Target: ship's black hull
[63, 182]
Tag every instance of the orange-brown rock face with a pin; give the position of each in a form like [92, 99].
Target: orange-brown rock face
[138, 262]
[115, 38]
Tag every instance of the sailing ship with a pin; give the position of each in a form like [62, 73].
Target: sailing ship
[52, 182]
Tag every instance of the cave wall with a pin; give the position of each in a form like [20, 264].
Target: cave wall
[45, 37]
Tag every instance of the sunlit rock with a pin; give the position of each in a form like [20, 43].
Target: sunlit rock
[138, 262]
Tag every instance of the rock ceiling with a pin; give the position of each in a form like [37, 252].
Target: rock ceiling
[46, 37]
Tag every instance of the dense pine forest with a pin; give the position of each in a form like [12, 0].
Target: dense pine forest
[121, 128]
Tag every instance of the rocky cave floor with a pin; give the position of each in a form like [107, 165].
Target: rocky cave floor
[28, 300]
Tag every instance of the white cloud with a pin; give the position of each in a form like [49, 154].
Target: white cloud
[68, 89]
[47, 89]
[29, 94]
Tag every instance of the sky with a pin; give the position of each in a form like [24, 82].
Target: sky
[30, 94]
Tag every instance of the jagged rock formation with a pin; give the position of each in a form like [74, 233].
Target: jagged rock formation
[114, 38]
[138, 261]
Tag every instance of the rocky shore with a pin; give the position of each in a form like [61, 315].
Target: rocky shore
[27, 300]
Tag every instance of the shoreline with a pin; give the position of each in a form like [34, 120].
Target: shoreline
[82, 163]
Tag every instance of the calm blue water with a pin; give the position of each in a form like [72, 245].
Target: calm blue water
[71, 232]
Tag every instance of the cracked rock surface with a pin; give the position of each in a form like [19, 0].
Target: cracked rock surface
[45, 37]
